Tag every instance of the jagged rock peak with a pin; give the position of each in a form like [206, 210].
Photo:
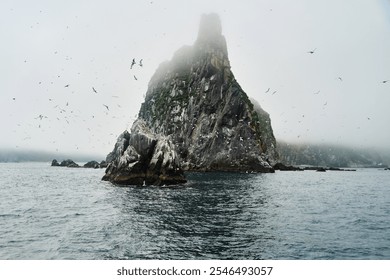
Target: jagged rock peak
[210, 36]
[196, 100]
[209, 27]
[195, 117]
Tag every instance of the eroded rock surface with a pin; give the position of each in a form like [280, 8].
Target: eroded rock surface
[143, 158]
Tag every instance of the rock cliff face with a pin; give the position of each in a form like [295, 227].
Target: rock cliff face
[197, 110]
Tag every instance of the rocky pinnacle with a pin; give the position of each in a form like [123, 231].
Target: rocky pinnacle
[197, 107]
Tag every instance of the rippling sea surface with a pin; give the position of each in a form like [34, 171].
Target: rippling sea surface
[63, 213]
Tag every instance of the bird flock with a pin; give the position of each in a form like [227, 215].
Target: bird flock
[270, 92]
[58, 114]
[67, 112]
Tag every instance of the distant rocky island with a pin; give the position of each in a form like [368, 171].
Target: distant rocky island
[27, 155]
[71, 163]
[195, 117]
[335, 156]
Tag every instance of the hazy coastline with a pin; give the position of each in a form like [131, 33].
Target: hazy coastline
[26, 155]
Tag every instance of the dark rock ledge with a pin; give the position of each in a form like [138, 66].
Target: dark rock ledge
[282, 167]
[324, 169]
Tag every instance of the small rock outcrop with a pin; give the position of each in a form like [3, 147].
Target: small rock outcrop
[321, 169]
[92, 164]
[69, 163]
[143, 158]
[195, 110]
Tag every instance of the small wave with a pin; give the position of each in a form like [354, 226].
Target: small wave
[9, 215]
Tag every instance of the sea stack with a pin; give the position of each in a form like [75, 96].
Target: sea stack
[195, 117]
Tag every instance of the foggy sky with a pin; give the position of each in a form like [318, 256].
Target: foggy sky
[334, 95]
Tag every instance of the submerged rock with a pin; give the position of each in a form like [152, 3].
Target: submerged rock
[195, 109]
[55, 163]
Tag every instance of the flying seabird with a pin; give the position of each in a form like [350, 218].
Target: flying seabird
[340, 79]
[106, 107]
[132, 63]
[67, 85]
[140, 63]
[317, 92]
[267, 90]
[94, 90]
[41, 117]
[385, 81]
[135, 78]
[311, 52]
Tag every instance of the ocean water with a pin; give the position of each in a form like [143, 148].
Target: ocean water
[63, 213]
